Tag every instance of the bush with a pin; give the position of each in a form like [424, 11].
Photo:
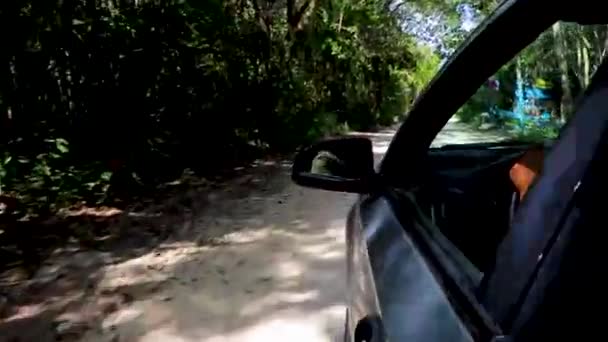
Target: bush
[534, 133]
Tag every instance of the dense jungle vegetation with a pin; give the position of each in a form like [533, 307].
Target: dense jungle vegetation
[99, 98]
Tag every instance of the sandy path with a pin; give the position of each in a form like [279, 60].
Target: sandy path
[261, 260]
[276, 272]
[456, 132]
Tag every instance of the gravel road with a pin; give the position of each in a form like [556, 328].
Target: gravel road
[262, 260]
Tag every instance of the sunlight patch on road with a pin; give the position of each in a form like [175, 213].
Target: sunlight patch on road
[165, 335]
[377, 135]
[25, 312]
[333, 254]
[292, 326]
[289, 268]
[323, 251]
[457, 132]
[249, 236]
[300, 224]
[146, 268]
[277, 299]
[122, 317]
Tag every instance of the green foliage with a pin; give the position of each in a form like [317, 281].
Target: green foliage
[427, 65]
[478, 104]
[97, 95]
[561, 61]
[534, 133]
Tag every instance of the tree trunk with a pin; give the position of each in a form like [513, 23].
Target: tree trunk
[605, 44]
[341, 17]
[519, 102]
[583, 69]
[587, 53]
[296, 15]
[560, 51]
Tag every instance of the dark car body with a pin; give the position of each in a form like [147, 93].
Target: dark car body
[485, 276]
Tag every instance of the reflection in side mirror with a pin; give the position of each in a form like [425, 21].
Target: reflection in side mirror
[344, 164]
[327, 163]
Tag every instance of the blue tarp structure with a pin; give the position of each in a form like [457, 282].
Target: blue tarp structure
[528, 108]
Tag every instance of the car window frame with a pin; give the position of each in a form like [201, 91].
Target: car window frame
[506, 32]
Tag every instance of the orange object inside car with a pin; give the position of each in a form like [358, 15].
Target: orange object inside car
[526, 169]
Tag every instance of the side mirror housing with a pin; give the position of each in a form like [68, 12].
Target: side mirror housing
[343, 164]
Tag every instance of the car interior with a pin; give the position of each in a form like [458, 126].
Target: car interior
[471, 193]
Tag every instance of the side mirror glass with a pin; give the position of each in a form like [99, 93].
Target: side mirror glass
[344, 164]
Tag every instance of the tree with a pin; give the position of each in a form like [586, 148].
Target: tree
[98, 95]
[560, 52]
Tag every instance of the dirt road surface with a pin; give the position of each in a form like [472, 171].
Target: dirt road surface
[258, 259]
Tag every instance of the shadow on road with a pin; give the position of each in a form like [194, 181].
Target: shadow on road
[250, 259]
[234, 263]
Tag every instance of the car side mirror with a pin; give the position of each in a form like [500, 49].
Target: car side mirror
[343, 164]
